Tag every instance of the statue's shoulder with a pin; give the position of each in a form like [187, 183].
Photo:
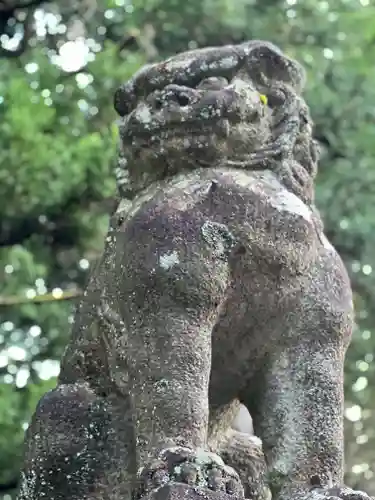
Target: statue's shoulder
[260, 212]
[231, 190]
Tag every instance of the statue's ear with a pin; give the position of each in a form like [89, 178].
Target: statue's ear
[126, 96]
[123, 100]
[266, 59]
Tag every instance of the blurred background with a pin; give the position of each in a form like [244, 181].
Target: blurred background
[60, 64]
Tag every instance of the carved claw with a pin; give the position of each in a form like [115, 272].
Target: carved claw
[347, 494]
[192, 467]
[339, 493]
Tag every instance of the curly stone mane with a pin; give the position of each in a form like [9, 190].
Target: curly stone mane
[284, 133]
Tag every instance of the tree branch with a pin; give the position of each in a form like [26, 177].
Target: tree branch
[11, 6]
[10, 485]
[40, 299]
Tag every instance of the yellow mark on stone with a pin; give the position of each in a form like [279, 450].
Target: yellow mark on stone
[263, 99]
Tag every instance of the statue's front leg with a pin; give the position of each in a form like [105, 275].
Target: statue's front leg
[300, 419]
[173, 290]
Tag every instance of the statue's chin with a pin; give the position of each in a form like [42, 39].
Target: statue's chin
[175, 151]
[188, 149]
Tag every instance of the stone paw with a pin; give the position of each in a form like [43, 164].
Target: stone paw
[340, 493]
[197, 468]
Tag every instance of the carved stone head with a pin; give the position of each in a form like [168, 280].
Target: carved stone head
[237, 105]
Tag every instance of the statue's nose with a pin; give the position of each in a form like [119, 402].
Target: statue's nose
[217, 99]
[201, 101]
[172, 96]
[213, 98]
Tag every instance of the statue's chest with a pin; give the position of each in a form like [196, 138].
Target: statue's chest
[268, 306]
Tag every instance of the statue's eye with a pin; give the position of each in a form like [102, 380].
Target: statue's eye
[213, 83]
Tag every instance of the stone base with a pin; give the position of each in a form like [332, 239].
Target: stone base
[180, 491]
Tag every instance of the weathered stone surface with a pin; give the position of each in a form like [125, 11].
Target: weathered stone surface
[179, 491]
[217, 285]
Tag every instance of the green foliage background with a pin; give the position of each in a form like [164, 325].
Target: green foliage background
[58, 147]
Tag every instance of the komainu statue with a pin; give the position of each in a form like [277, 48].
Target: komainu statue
[217, 287]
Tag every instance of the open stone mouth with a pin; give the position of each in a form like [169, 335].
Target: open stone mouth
[148, 123]
[170, 129]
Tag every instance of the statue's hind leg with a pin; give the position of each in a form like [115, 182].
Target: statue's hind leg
[244, 453]
[240, 450]
[77, 447]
